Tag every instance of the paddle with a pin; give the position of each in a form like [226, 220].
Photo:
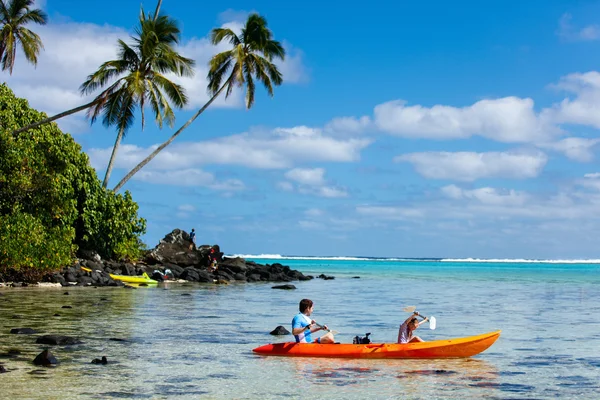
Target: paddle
[328, 330]
[432, 320]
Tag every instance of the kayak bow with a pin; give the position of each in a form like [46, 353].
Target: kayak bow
[447, 348]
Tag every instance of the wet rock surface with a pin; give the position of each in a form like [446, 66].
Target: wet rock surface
[176, 258]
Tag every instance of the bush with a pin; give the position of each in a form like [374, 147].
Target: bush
[51, 200]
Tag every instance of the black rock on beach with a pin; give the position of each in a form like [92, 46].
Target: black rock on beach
[175, 252]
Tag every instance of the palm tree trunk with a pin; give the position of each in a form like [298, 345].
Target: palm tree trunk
[55, 117]
[168, 142]
[112, 158]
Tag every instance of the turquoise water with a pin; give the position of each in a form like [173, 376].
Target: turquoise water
[195, 341]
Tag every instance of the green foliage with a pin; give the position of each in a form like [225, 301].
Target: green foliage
[51, 201]
[30, 247]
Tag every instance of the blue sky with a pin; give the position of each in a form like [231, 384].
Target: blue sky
[410, 129]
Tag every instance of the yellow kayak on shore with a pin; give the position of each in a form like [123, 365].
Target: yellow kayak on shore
[144, 278]
[134, 279]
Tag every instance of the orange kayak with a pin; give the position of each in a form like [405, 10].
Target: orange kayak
[447, 348]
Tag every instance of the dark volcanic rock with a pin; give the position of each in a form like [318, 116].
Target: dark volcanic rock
[280, 331]
[57, 340]
[23, 331]
[102, 361]
[45, 358]
[326, 277]
[284, 287]
[235, 265]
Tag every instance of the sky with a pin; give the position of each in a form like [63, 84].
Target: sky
[402, 128]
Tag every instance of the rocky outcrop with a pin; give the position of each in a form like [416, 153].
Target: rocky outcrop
[175, 252]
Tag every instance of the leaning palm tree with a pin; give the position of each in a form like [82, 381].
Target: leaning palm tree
[14, 15]
[96, 101]
[145, 62]
[250, 58]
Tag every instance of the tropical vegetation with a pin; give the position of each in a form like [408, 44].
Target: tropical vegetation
[52, 202]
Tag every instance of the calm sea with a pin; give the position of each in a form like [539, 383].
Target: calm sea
[195, 341]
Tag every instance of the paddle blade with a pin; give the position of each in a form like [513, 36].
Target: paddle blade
[409, 309]
[432, 323]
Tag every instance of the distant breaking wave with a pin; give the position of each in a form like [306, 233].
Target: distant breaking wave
[464, 260]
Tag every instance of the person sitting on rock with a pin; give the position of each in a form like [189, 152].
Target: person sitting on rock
[303, 326]
[193, 239]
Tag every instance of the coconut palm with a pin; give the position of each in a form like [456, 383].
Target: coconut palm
[170, 37]
[14, 15]
[144, 63]
[251, 57]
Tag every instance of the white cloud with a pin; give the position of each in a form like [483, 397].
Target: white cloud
[578, 149]
[331, 192]
[567, 32]
[186, 208]
[487, 195]
[590, 181]
[263, 150]
[310, 225]
[305, 176]
[312, 182]
[293, 67]
[349, 125]
[469, 166]
[188, 177]
[314, 212]
[508, 119]
[285, 186]
[583, 109]
[390, 213]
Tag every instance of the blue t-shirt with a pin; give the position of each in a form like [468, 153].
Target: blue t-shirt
[301, 321]
[192, 236]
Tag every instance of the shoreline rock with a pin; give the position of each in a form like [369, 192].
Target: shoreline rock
[203, 264]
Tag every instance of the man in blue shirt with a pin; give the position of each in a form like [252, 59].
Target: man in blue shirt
[303, 326]
[192, 239]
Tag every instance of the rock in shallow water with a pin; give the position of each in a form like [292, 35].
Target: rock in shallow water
[45, 358]
[102, 361]
[280, 331]
[22, 331]
[284, 287]
[57, 340]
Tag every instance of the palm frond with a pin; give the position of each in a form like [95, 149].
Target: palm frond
[31, 44]
[154, 97]
[102, 99]
[250, 87]
[261, 72]
[219, 65]
[273, 49]
[175, 92]
[36, 16]
[217, 35]
[126, 115]
[106, 72]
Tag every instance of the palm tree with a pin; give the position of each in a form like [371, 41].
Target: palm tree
[99, 99]
[250, 58]
[144, 63]
[14, 15]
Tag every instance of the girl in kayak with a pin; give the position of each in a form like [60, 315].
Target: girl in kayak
[303, 326]
[405, 333]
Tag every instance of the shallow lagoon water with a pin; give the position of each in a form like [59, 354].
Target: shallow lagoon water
[195, 341]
